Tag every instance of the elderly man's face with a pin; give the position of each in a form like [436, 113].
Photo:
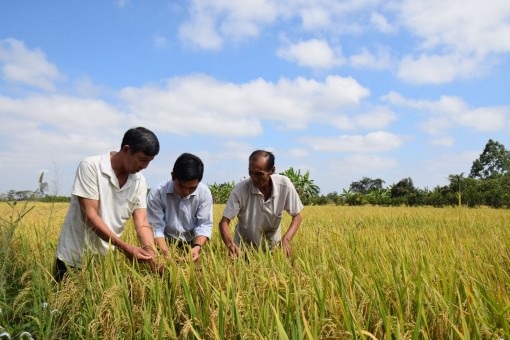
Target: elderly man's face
[259, 173]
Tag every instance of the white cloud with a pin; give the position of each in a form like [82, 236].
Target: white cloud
[312, 53]
[84, 87]
[201, 32]
[298, 153]
[372, 142]
[210, 22]
[443, 141]
[315, 18]
[61, 113]
[452, 112]
[379, 118]
[435, 126]
[204, 105]
[159, 41]
[485, 119]
[26, 66]
[438, 69]
[467, 26]
[459, 37]
[366, 59]
[381, 23]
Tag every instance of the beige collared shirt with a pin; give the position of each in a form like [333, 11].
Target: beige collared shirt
[259, 220]
[96, 180]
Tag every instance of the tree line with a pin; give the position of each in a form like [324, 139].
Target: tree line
[488, 184]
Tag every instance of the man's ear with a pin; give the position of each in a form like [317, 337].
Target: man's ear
[125, 148]
[273, 170]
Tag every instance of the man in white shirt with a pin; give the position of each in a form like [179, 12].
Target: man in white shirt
[107, 191]
[180, 209]
[259, 202]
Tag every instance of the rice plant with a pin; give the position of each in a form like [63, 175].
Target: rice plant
[355, 272]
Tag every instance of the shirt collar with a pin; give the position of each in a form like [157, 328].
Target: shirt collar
[106, 168]
[275, 190]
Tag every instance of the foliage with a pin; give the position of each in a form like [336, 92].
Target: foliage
[221, 192]
[366, 185]
[304, 185]
[494, 161]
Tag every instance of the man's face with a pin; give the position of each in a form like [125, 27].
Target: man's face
[258, 172]
[185, 188]
[137, 161]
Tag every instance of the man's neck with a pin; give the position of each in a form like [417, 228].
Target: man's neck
[117, 161]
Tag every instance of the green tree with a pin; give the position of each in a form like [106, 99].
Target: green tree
[494, 161]
[366, 185]
[304, 185]
[404, 192]
[456, 185]
[221, 192]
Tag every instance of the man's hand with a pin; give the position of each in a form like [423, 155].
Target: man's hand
[195, 252]
[139, 254]
[233, 250]
[286, 246]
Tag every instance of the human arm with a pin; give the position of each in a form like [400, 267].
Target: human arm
[90, 211]
[156, 216]
[197, 245]
[145, 233]
[203, 220]
[233, 249]
[293, 228]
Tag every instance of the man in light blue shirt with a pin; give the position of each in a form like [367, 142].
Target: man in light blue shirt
[180, 209]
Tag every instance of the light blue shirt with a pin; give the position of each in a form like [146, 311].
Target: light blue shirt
[181, 218]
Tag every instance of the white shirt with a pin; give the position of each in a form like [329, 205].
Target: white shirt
[259, 220]
[180, 218]
[96, 180]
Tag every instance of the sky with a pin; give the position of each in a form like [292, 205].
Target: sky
[343, 89]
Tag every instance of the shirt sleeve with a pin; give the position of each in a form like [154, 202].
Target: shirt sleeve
[86, 181]
[204, 216]
[293, 205]
[156, 213]
[233, 205]
[141, 194]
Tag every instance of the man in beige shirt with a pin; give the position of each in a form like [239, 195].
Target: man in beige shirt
[259, 202]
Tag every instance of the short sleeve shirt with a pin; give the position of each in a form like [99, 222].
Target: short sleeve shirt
[259, 220]
[180, 218]
[96, 180]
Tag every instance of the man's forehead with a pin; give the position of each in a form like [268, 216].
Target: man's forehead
[188, 184]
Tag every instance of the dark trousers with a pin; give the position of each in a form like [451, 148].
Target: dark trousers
[60, 270]
[178, 242]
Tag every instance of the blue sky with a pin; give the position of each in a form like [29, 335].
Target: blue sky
[343, 89]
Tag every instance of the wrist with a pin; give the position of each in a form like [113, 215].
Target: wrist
[196, 245]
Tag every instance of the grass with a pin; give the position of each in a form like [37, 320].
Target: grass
[355, 272]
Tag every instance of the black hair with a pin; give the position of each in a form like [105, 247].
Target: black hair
[141, 139]
[188, 167]
[255, 155]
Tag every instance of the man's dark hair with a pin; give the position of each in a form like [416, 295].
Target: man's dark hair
[141, 139]
[255, 155]
[188, 167]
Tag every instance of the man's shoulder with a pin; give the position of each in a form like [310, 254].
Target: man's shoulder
[281, 180]
[242, 185]
[96, 159]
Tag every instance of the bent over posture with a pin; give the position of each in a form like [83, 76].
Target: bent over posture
[108, 189]
[181, 208]
[259, 202]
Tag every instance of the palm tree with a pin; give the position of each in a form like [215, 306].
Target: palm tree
[305, 187]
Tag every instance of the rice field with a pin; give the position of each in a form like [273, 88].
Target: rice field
[355, 272]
